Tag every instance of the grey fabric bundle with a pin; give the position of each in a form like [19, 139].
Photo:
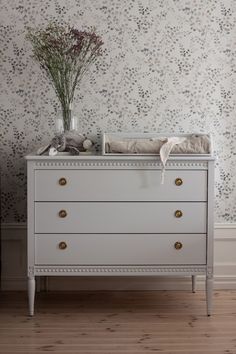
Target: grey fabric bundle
[70, 141]
[193, 144]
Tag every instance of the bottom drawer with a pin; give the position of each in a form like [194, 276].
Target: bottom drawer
[120, 249]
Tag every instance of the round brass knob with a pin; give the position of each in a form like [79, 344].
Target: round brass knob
[178, 181]
[62, 245]
[62, 213]
[62, 181]
[178, 245]
[178, 214]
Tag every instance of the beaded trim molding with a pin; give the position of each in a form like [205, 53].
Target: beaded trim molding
[123, 164]
[39, 270]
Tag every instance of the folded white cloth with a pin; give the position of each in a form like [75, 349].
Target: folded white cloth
[166, 150]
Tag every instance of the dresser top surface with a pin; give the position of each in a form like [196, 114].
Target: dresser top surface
[121, 157]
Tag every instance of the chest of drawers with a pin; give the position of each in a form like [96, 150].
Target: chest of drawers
[96, 215]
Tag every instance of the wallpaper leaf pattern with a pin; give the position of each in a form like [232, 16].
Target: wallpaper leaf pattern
[169, 66]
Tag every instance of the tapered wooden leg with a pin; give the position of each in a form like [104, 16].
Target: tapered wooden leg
[209, 293]
[31, 294]
[194, 283]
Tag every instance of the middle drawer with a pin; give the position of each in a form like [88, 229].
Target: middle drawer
[120, 217]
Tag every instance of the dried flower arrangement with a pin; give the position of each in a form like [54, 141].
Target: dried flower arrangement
[65, 53]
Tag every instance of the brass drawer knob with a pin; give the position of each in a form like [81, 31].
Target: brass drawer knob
[62, 181]
[62, 213]
[178, 181]
[178, 245]
[62, 245]
[178, 214]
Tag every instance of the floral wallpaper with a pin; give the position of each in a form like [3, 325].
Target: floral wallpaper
[168, 66]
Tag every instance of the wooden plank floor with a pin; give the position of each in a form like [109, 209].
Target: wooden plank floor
[167, 322]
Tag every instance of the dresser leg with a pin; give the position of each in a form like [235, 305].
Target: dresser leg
[31, 294]
[194, 283]
[209, 293]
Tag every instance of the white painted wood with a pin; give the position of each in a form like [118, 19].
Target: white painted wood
[209, 293]
[98, 161]
[115, 185]
[118, 270]
[99, 217]
[117, 249]
[31, 294]
[30, 212]
[194, 283]
[111, 220]
[210, 236]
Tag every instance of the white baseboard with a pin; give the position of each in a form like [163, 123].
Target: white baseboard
[14, 267]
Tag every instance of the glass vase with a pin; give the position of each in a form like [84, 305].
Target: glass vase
[66, 121]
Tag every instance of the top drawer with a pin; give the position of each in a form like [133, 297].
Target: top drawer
[120, 185]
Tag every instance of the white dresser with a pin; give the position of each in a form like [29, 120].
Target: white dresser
[107, 215]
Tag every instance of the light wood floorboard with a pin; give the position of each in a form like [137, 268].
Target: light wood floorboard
[170, 322]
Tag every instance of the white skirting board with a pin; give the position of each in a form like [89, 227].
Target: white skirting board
[14, 267]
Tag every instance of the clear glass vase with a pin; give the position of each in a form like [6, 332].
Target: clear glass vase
[66, 121]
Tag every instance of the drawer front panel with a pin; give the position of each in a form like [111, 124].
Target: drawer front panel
[117, 249]
[106, 217]
[120, 185]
